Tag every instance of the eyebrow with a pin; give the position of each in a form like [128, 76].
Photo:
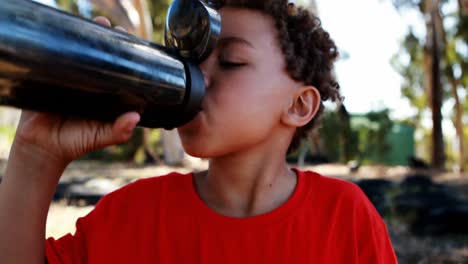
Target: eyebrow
[228, 40]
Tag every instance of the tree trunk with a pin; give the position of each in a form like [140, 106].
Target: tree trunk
[459, 125]
[432, 63]
[145, 29]
[458, 107]
[174, 153]
[463, 5]
[149, 150]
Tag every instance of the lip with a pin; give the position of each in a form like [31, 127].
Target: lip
[194, 123]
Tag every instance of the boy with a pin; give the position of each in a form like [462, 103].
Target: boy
[265, 84]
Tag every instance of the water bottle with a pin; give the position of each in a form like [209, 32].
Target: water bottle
[53, 61]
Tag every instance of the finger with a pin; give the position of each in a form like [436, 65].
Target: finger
[124, 126]
[103, 21]
[120, 131]
[121, 28]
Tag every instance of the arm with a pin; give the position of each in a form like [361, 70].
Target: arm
[43, 147]
[25, 196]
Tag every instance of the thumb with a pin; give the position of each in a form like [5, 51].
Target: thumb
[118, 132]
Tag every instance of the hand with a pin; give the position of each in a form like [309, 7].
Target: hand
[63, 139]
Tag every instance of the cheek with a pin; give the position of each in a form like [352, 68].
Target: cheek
[242, 112]
[246, 107]
[251, 89]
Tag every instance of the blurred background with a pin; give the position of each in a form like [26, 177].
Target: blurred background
[401, 133]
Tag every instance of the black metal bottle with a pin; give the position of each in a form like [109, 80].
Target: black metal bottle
[55, 62]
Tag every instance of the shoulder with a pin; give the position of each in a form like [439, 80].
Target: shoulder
[148, 186]
[347, 213]
[342, 196]
[155, 181]
[332, 187]
[140, 193]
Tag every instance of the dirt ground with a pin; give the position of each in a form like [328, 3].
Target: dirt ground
[410, 249]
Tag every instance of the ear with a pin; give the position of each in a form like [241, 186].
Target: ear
[302, 107]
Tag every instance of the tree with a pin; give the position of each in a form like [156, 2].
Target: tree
[434, 46]
[454, 60]
[69, 5]
[377, 132]
[434, 62]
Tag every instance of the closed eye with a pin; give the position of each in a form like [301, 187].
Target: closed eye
[230, 65]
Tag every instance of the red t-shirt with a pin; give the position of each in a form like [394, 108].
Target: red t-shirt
[162, 220]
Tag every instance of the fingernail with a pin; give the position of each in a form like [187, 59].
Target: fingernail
[136, 117]
[102, 20]
[130, 126]
[121, 29]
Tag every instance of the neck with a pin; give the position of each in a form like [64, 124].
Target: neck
[248, 183]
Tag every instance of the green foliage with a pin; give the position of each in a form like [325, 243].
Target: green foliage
[410, 61]
[132, 150]
[377, 136]
[69, 5]
[373, 144]
[122, 152]
[330, 134]
[373, 129]
[466, 147]
[413, 4]
[8, 132]
[411, 69]
[158, 11]
[366, 140]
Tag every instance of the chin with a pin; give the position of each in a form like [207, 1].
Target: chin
[203, 149]
[198, 152]
[192, 145]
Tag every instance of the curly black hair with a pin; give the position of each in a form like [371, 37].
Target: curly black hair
[308, 50]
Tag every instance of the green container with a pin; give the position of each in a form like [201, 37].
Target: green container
[401, 140]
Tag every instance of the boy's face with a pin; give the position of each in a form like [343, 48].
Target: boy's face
[247, 88]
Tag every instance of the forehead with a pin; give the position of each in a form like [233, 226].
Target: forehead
[251, 25]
